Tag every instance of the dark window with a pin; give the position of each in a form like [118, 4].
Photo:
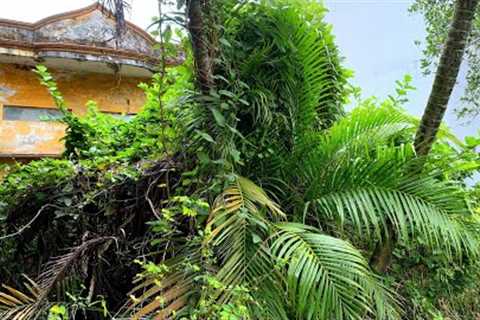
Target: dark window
[24, 113]
[122, 116]
[21, 113]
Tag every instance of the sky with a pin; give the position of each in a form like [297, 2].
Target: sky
[376, 37]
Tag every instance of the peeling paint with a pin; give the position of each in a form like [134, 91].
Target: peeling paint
[38, 137]
[5, 93]
[25, 137]
[80, 51]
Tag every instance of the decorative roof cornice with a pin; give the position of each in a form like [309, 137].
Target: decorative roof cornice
[39, 47]
[23, 36]
[73, 14]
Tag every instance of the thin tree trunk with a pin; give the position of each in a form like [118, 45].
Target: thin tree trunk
[443, 84]
[117, 8]
[445, 77]
[200, 44]
[120, 23]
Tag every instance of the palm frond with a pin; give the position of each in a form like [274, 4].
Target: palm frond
[162, 295]
[321, 93]
[366, 128]
[160, 298]
[18, 305]
[30, 306]
[238, 224]
[57, 269]
[359, 175]
[327, 278]
[411, 211]
[243, 193]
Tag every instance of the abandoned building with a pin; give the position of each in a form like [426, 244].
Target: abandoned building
[87, 61]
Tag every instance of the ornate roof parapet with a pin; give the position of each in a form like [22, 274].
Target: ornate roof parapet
[84, 35]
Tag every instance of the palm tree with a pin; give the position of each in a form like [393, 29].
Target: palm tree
[446, 75]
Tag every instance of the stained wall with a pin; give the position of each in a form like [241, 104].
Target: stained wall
[19, 86]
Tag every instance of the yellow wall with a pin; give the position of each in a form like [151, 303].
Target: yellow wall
[21, 87]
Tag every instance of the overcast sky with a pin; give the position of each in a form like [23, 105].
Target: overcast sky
[375, 36]
[377, 39]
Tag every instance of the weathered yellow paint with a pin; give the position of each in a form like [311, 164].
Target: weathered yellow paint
[31, 138]
[20, 86]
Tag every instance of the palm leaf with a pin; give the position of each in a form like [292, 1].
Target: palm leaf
[238, 224]
[31, 305]
[327, 278]
[17, 305]
[161, 296]
[359, 176]
[58, 268]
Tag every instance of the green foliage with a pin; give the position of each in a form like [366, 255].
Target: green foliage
[36, 176]
[278, 75]
[107, 139]
[435, 286]
[258, 260]
[58, 312]
[72, 197]
[209, 308]
[262, 199]
[457, 161]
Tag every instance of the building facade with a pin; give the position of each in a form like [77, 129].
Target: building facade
[87, 61]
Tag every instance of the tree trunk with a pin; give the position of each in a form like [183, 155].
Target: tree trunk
[383, 253]
[200, 44]
[446, 76]
[443, 84]
[120, 22]
[117, 8]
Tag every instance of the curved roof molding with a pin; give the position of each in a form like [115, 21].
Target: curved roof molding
[79, 34]
[71, 15]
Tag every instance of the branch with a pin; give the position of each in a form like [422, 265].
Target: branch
[28, 225]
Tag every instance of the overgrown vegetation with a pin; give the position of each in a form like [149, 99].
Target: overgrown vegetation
[259, 198]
